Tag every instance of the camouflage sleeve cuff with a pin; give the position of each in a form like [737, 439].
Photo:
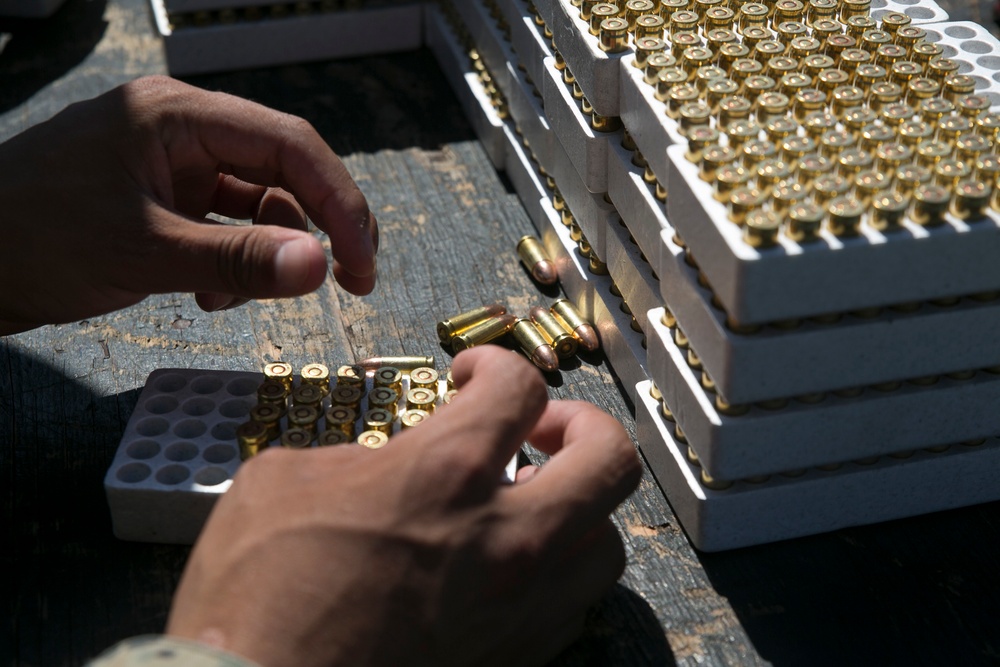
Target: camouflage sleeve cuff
[162, 651]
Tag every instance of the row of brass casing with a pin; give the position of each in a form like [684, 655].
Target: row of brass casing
[545, 336]
[335, 402]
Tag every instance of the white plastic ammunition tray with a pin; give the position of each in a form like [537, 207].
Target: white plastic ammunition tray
[454, 63]
[975, 49]
[293, 38]
[857, 350]
[830, 275]
[801, 434]
[633, 275]
[816, 501]
[528, 42]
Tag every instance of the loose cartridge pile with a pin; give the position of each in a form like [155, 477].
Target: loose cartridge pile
[813, 186]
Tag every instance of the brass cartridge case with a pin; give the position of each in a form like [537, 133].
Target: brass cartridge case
[741, 131]
[574, 321]
[809, 101]
[971, 200]
[404, 363]
[788, 10]
[889, 211]
[912, 132]
[761, 230]
[854, 161]
[378, 419]
[307, 394]
[251, 438]
[744, 68]
[858, 25]
[930, 203]
[834, 142]
[304, 417]
[534, 344]
[713, 158]
[383, 398]
[948, 173]
[536, 260]
[941, 68]
[850, 8]
[373, 439]
[754, 35]
[728, 178]
[347, 396]
[805, 219]
[743, 201]
[270, 416]
[988, 125]
[757, 85]
[447, 329]
[846, 98]
[733, 108]
[706, 74]
[683, 21]
[483, 332]
[771, 173]
[828, 187]
[872, 39]
[280, 371]
[752, 15]
[389, 376]
[636, 8]
[767, 49]
[449, 396]
[649, 26]
[297, 438]
[332, 438]
[867, 184]
[923, 52]
[929, 153]
[666, 80]
[656, 63]
[969, 146]
[987, 169]
[678, 97]
[693, 115]
[341, 418]
[351, 376]
[972, 106]
[911, 176]
[957, 86]
[804, 47]
[646, 47]
[934, 109]
[680, 43]
[777, 128]
[424, 377]
[421, 398]
[273, 391]
[413, 418]
[318, 375]
[613, 35]
[812, 166]
[891, 156]
[720, 18]
[819, 123]
[844, 216]
[668, 7]
[838, 43]
[756, 151]
[556, 335]
[599, 13]
[699, 139]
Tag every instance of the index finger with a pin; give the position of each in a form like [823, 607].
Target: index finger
[266, 147]
[593, 468]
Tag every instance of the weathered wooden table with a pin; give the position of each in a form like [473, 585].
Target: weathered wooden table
[919, 591]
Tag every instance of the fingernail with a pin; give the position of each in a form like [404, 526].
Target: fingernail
[292, 263]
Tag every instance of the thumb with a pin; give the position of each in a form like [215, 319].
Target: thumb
[262, 261]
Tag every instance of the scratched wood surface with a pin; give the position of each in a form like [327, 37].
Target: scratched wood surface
[920, 591]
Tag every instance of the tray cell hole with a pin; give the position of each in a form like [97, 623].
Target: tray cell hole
[960, 32]
[206, 384]
[172, 474]
[143, 449]
[234, 409]
[169, 383]
[161, 405]
[219, 453]
[919, 12]
[152, 426]
[242, 386]
[198, 406]
[225, 431]
[190, 428]
[181, 451]
[211, 476]
[133, 473]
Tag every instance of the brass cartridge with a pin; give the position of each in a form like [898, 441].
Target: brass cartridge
[296, 438]
[341, 418]
[720, 18]
[988, 125]
[940, 68]
[426, 378]
[770, 173]
[318, 375]
[449, 396]
[741, 131]
[680, 43]
[728, 178]
[683, 21]
[987, 169]
[743, 201]
[911, 176]
[805, 219]
[280, 371]
[819, 123]
[706, 74]
[534, 345]
[332, 438]
[666, 80]
[483, 332]
[857, 26]
[929, 153]
[252, 438]
[787, 195]
[573, 321]
[304, 417]
[810, 101]
[383, 398]
[556, 335]
[930, 203]
[893, 21]
[347, 396]
[307, 394]
[838, 43]
[867, 184]
[599, 13]
[957, 86]
[404, 364]
[756, 151]
[923, 52]
[844, 216]
[421, 398]
[851, 8]
[536, 260]
[752, 15]
[713, 158]
[777, 128]
[270, 416]
[834, 142]
[767, 49]
[761, 229]
[636, 8]
[854, 161]
[273, 391]
[912, 132]
[757, 85]
[744, 68]
[699, 139]
[889, 211]
[351, 376]
[413, 418]
[613, 35]
[656, 63]
[972, 198]
[646, 47]
[379, 419]
[804, 47]
[447, 329]
[812, 166]
[373, 439]
[948, 172]
[693, 115]
[845, 99]
[872, 39]
[972, 106]
[649, 26]
[828, 187]
[969, 146]
[891, 156]
[934, 109]
[389, 376]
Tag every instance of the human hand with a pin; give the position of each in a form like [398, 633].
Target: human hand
[105, 204]
[417, 554]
